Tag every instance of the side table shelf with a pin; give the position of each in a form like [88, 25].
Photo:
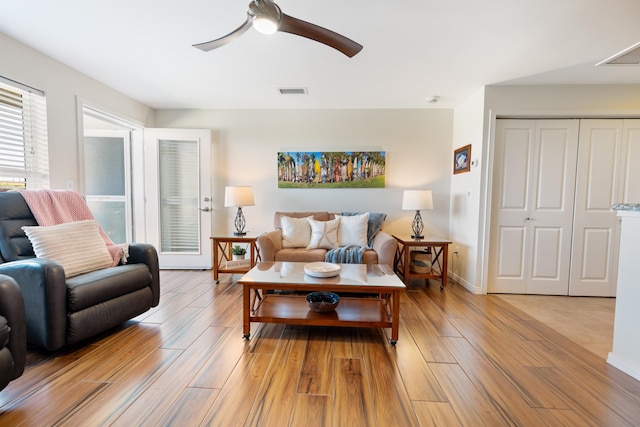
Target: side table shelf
[222, 253]
[438, 249]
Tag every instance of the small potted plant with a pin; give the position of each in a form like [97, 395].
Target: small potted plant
[237, 252]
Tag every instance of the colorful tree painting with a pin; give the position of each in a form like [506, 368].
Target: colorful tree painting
[331, 169]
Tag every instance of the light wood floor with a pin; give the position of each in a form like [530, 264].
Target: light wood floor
[461, 359]
[586, 321]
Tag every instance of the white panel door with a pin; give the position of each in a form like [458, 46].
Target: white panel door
[532, 206]
[178, 195]
[631, 157]
[509, 230]
[606, 175]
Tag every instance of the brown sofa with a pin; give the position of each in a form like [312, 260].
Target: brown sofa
[270, 244]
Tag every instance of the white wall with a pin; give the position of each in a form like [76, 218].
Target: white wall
[466, 193]
[563, 100]
[625, 354]
[63, 86]
[245, 144]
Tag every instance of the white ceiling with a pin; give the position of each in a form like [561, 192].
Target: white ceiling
[412, 48]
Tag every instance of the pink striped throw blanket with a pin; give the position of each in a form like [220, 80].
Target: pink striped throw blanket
[52, 207]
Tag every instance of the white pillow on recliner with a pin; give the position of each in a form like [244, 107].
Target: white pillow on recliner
[77, 246]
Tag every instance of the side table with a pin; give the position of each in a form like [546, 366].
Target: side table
[222, 253]
[439, 250]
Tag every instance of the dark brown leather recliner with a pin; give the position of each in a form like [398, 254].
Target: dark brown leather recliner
[62, 311]
[13, 331]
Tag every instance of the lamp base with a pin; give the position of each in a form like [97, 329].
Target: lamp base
[239, 223]
[417, 227]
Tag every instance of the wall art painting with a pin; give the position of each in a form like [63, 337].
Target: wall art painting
[331, 169]
[462, 159]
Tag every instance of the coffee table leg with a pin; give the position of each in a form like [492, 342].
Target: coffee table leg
[395, 318]
[246, 309]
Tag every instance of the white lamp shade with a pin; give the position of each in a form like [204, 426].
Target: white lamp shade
[417, 200]
[238, 196]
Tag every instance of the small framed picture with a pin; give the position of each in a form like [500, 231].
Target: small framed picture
[462, 159]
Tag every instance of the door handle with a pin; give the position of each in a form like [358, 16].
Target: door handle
[207, 209]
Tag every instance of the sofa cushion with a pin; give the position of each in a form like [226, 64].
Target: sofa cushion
[374, 224]
[353, 230]
[296, 232]
[77, 246]
[300, 255]
[324, 234]
[318, 216]
[103, 285]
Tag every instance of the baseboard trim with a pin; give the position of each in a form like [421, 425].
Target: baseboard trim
[467, 285]
[624, 365]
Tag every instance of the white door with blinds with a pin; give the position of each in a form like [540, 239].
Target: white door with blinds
[178, 196]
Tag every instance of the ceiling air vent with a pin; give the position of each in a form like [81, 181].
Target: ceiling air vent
[292, 90]
[629, 56]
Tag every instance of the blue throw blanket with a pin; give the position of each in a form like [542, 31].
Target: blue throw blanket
[351, 254]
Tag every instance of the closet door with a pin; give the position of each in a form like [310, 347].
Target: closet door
[631, 161]
[532, 206]
[609, 150]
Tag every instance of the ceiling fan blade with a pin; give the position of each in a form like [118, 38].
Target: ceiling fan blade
[213, 44]
[292, 25]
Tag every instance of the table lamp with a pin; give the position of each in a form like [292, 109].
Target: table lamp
[417, 200]
[238, 197]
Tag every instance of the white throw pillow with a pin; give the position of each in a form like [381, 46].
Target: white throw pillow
[296, 232]
[353, 230]
[77, 246]
[324, 234]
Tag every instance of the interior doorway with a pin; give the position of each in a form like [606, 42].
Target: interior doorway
[106, 178]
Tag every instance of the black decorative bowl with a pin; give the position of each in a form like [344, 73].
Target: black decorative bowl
[323, 302]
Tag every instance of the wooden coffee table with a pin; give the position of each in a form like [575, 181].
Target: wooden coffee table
[381, 311]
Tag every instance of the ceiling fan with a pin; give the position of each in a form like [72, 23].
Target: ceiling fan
[267, 18]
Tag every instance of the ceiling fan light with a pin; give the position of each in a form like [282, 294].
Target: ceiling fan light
[265, 25]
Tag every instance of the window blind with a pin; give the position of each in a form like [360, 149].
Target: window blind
[24, 158]
[179, 215]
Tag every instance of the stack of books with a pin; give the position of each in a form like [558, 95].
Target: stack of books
[238, 264]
